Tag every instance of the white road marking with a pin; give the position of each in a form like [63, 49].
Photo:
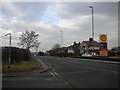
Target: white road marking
[113, 62]
[54, 74]
[102, 61]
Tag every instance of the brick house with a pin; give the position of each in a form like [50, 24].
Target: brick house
[74, 49]
[70, 49]
[90, 47]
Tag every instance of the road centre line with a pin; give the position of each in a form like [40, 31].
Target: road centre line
[113, 62]
[102, 61]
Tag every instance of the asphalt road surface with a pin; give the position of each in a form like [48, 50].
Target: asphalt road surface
[67, 73]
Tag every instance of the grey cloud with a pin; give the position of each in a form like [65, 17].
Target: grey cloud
[29, 11]
[32, 10]
[106, 8]
[8, 10]
[105, 21]
[70, 9]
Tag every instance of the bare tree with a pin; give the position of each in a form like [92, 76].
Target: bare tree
[56, 46]
[28, 39]
[36, 45]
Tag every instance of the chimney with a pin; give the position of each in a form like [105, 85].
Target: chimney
[90, 39]
[74, 42]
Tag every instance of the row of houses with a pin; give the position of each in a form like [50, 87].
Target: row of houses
[77, 49]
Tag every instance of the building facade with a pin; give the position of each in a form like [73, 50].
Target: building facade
[90, 47]
[74, 49]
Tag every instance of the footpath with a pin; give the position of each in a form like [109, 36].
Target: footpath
[43, 68]
[44, 77]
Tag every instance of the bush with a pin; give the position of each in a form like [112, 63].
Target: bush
[17, 54]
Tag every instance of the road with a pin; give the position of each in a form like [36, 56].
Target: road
[67, 73]
[81, 73]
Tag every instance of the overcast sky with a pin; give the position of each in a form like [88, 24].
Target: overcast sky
[49, 18]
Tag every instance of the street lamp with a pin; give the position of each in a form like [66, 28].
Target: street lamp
[61, 38]
[9, 47]
[92, 28]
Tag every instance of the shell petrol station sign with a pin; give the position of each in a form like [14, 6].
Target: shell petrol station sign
[103, 45]
[103, 38]
[103, 52]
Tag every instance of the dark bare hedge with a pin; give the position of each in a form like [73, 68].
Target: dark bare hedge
[17, 54]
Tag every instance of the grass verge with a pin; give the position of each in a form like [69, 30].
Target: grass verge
[22, 66]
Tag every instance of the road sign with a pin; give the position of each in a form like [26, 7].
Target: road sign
[103, 52]
[103, 45]
[103, 38]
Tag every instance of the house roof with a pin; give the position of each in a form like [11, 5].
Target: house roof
[88, 43]
[70, 46]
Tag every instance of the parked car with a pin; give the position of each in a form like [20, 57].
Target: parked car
[86, 55]
[97, 55]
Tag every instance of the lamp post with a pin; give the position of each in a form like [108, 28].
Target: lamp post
[92, 29]
[9, 47]
[61, 50]
[61, 38]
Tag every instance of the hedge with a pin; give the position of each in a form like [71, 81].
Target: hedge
[17, 54]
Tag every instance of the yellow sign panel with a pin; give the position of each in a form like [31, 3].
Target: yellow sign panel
[103, 52]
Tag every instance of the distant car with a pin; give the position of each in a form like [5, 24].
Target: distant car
[97, 55]
[34, 54]
[86, 55]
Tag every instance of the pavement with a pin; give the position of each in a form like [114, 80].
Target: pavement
[44, 77]
[45, 67]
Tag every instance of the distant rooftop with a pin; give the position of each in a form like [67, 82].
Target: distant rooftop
[94, 43]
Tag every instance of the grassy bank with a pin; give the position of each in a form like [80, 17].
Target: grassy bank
[22, 66]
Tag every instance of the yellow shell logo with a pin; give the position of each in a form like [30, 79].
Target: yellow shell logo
[103, 38]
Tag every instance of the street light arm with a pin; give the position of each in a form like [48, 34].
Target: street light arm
[8, 34]
[90, 6]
